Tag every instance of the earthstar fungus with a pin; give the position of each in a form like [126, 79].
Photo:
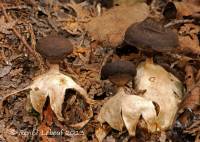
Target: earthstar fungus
[157, 105]
[149, 35]
[119, 72]
[54, 48]
[53, 84]
[125, 109]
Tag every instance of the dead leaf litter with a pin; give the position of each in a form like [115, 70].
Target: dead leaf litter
[156, 99]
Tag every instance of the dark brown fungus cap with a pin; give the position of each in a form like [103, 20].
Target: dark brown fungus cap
[150, 35]
[54, 48]
[170, 11]
[118, 72]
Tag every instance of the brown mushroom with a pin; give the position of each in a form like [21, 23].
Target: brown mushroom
[54, 48]
[150, 35]
[118, 72]
[170, 11]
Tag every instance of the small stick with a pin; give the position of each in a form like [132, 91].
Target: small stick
[16, 7]
[22, 38]
[99, 11]
[190, 81]
[175, 22]
[33, 38]
[13, 93]
[106, 57]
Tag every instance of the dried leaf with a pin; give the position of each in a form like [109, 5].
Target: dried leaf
[189, 77]
[101, 28]
[43, 133]
[54, 85]
[188, 39]
[192, 99]
[81, 12]
[194, 128]
[6, 26]
[127, 2]
[10, 135]
[48, 115]
[102, 132]
[186, 8]
[5, 70]
[197, 139]
[78, 138]
[190, 44]
[161, 87]
[195, 2]
[79, 125]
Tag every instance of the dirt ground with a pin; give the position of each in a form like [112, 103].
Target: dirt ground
[89, 26]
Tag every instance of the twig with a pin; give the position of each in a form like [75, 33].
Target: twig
[197, 139]
[182, 57]
[16, 7]
[82, 40]
[15, 31]
[175, 22]
[13, 93]
[190, 81]
[33, 38]
[99, 11]
[105, 59]
[198, 76]
[191, 99]
[4, 57]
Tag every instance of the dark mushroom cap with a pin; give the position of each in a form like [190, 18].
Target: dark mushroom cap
[150, 35]
[54, 47]
[118, 72]
[170, 11]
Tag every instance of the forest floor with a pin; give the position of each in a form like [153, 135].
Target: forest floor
[96, 30]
